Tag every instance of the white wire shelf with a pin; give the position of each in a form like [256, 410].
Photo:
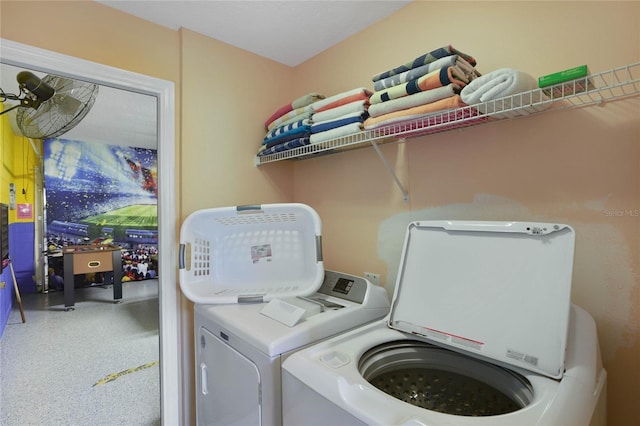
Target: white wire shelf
[595, 89]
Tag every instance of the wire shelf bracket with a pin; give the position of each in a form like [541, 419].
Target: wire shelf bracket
[405, 194]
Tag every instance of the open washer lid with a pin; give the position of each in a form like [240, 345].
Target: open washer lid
[495, 290]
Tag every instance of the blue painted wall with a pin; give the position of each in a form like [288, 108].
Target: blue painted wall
[6, 298]
[21, 245]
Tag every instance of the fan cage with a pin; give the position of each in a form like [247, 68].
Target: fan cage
[72, 101]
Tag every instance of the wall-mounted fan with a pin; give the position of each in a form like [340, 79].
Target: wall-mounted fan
[52, 105]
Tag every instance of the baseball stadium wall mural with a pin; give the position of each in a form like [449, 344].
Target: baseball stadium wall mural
[103, 194]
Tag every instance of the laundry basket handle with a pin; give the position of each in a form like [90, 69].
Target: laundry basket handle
[248, 207]
[181, 256]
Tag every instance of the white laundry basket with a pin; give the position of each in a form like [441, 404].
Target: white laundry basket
[250, 253]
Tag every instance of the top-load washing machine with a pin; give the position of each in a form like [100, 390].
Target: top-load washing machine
[481, 331]
[257, 278]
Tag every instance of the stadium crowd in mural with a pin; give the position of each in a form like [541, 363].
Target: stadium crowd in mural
[103, 194]
[140, 263]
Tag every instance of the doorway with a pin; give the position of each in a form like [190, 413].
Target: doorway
[29, 57]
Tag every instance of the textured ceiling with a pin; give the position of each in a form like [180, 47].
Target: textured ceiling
[289, 32]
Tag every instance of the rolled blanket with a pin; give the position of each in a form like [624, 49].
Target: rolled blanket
[340, 99]
[427, 58]
[354, 117]
[497, 84]
[433, 80]
[301, 102]
[451, 102]
[357, 106]
[336, 133]
[501, 91]
[468, 72]
[411, 101]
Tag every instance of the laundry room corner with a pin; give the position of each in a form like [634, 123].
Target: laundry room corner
[576, 166]
[554, 180]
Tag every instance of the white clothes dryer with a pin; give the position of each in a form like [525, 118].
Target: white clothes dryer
[481, 331]
[240, 347]
[257, 278]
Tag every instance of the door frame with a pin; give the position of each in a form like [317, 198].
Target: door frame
[22, 55]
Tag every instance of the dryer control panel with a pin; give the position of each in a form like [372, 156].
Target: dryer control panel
[344, 286]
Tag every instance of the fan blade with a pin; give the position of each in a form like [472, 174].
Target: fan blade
[68, 105]
[72, 101]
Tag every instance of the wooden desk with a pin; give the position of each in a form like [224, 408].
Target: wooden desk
[90, 259]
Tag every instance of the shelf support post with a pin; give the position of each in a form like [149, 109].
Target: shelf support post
[405, 195]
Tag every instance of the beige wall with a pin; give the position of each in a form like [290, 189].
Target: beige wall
[578, 167]
[574, 166]
[91, 31]
[227, 94]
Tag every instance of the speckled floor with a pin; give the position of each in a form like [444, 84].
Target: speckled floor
[95, 365]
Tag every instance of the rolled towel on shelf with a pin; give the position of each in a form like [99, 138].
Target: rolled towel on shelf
[497, 84]
[516, 87]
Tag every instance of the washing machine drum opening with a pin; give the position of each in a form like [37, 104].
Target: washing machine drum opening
[441, 380]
